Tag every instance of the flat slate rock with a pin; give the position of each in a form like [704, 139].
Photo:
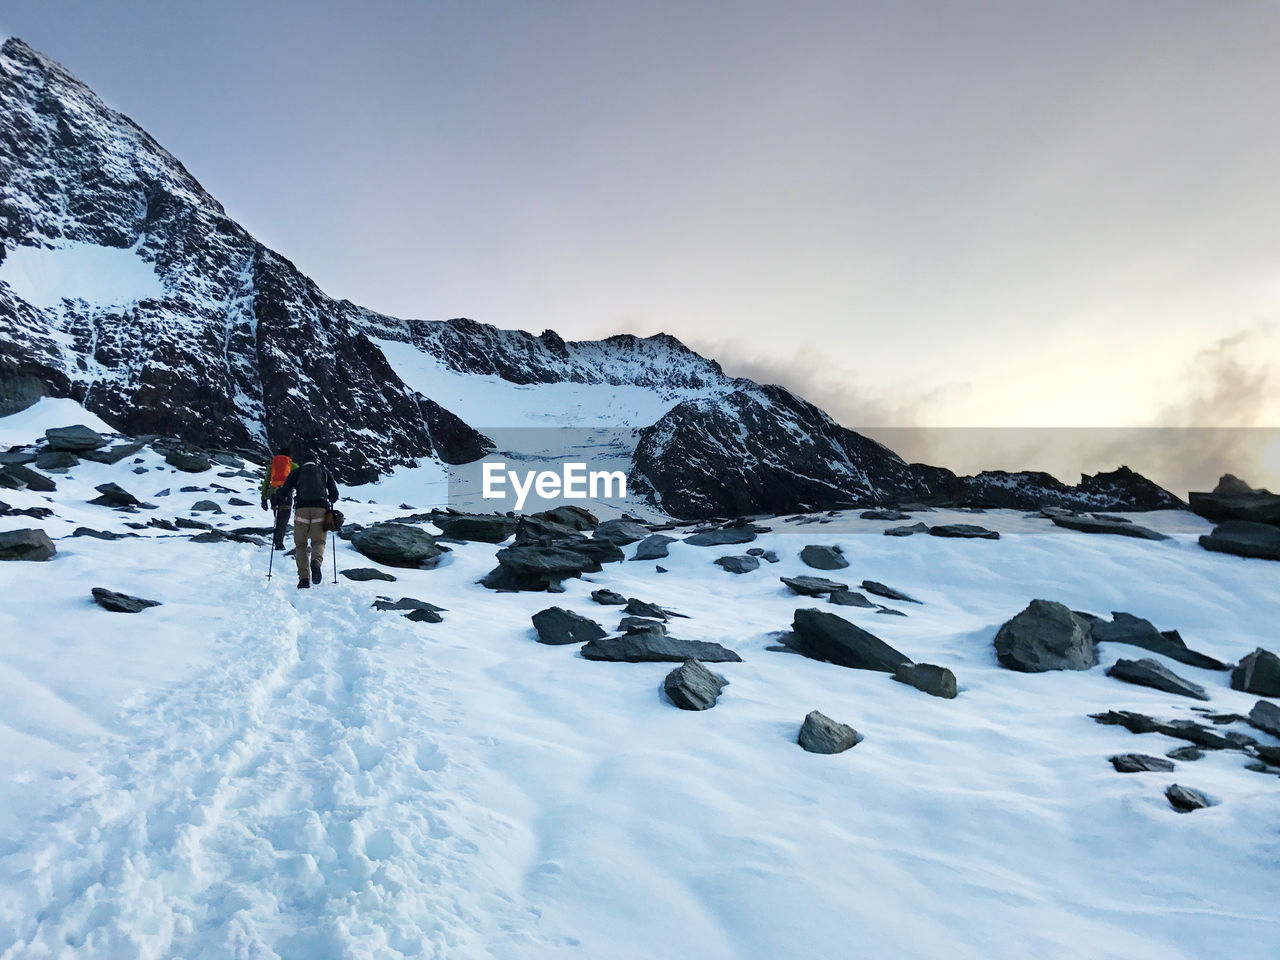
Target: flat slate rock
[25, 477]
[849, 598]
[1188, 730]
[608, 598]
[1187, 753]
[1185, 799]
[477, 527]
[1244, 538]
[100, 534]
[1265, 715]
[56, 460]
[884, 515]
[722, 537]
[1046, 636]
[650, 646]
[398, 545]
[27, 544]
[74, 439]
[537, 566]
[1107, 525]
[121, 602]
[1258, 673]
[824, 636]
[640, 625]
[820, 734]
[362, 574]
[621, 532]
[880, 590]
[822, 557]
[1140, 763]
[406, 603]
[424, 616]
[963, 531]
[691, 686]
[113, 454]
[907, 531]
[813, 586]
[643, 608]
[1154, 674]
[1137, 632]
[556, 625]
[188, 461]
[741, 563]
[653, 547]
[929, 678]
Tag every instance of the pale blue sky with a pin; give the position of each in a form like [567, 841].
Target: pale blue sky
[943, 213]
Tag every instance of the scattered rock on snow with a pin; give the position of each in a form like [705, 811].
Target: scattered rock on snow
[1094, 524]
[556, 625]
[621, 532]
[1258, 673]
[1137, 632]
[691, 686]
[1265, 715]
[849, 598]
[1188, 730]
[932, 679]
[74, 439]
[823, 557]
[1046, 636]
[541, 566]
[479, 527]
[963, 531]
[121, 602]
[1152, 673]
[653, 547]
[114, 495]
[642, 608]
[28, 544]
[907, 531]
[100, 534]
[367, 573]
[640, 625]
[188, 461]
[741, 563]
[424, 616]
[205, 506]
[398, 545]
[56, 461]
[722, 536]
[1233, 499]
[1185, 799]
[880, 590]
[651, 646]
[1187, 753]
[608, 598]
[1244, 538]
[24, 477]
[1140, 763]
[884, 515]
[824, 636]
[820, 734]
[813, 586]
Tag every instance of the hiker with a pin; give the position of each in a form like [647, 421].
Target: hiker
[282, 465]
[316, 493]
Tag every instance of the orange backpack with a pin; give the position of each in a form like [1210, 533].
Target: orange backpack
[280, 470]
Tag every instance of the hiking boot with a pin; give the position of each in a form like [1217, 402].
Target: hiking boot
[278, 546]
[304, 584]
[317, 574]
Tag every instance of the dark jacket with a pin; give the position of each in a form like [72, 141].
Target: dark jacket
[291, 485]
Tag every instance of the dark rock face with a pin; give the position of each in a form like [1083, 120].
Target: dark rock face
[556, 625]
[738, 564]
[27, 544]
[814, 586]
[962, 531]
[1137, 632]
[621, 532]
[932, 679]
[1046, 636]
[1258, 673]
[1244, 538]
[651, 647]
[1140, 763]
[1121, 489]
[824, 636]
[1265, 715]
[889, 593]
[1152, 673]
[1184, 799]
[367, 573]
[823, 557]
[820, 734]
[1107, 525]
[397, 545]
[691, 686]
[121, 602]
[1188, 730]
[653, 547]
[1233, 499]
[483, 528]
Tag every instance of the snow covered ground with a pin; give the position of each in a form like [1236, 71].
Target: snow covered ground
[254, 771]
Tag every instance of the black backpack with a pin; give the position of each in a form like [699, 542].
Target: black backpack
[313, 483]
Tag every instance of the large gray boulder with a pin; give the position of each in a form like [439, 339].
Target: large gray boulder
[114, 495]
[609, 598]
[24, 477]
[1233, 499]
[691, 686]
[56, 461]
[567, 515]
[653, 547]
[121, 602]
[722, 537]
[556, 625]
[187, 460]
[824, 636]
[928, 677]
[1136, 632]
[621, 532]
[534, 566]
[1244, 538]
[820, 734]
[1046, 636]
[1258, 673]
[113, 454]
[823, 557]
[478, 527]
[398, 545]
[26, 544]
[651, 646]
[1154, 674]
[741, 563]
[1265, 715]
[75, 439]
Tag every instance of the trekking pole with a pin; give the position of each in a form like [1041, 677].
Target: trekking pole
[275, 516]
[335, 556]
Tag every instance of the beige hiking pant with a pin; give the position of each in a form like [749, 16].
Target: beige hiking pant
[308, 530]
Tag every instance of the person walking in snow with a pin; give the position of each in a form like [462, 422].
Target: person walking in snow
[316, 494]
[282, 464]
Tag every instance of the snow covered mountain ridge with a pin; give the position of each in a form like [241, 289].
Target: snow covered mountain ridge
[125, 286]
